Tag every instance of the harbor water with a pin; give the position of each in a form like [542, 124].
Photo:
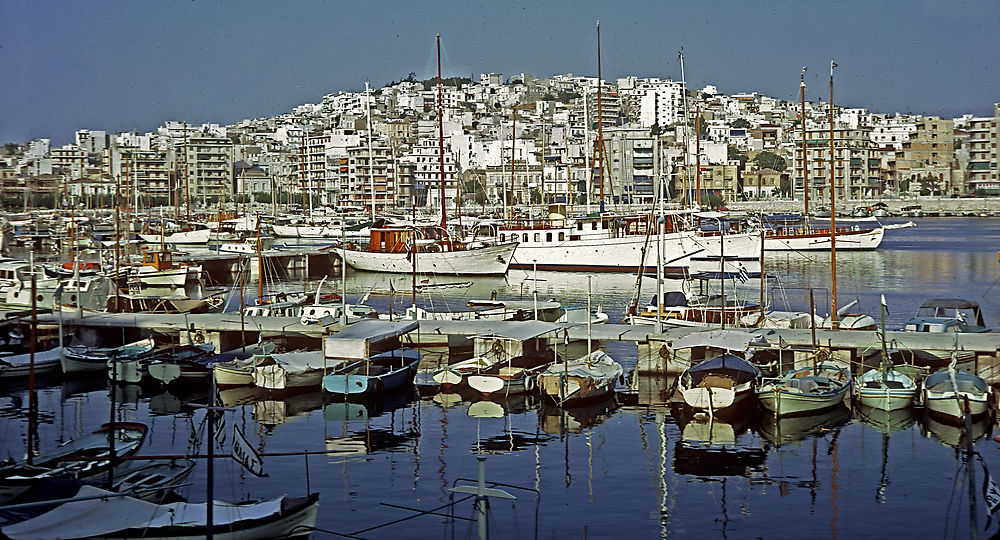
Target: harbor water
[625, 467]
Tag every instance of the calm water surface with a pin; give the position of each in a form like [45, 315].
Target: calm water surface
[609, 470]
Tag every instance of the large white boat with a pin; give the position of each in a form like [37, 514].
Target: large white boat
[793, 233]
[616, 243]
[195, 237]
[398, 249]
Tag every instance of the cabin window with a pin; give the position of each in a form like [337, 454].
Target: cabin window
[503, 237]
[593, 226]
[525, 237]
[538, 237]
[579, 226]
[562, 236]
[548, 237]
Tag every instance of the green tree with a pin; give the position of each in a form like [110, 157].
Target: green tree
[770, 160]
[740, 123]
[655, 130]
[733, 153]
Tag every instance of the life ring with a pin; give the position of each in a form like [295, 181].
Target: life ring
[199, 338]
[529, 383]
[497, 348]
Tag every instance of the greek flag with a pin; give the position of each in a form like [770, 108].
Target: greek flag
[743, 275]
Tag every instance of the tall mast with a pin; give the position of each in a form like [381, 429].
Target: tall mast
[805, 157]
[444, 211]
[833, 214]
[600, 120]
[187, 178]
[513, 153]
[589, 176]
[302, 170]
[697, 155]
[687, 170]
[371, 158]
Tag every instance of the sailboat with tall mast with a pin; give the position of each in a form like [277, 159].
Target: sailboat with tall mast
[390, 249]
[608, 242]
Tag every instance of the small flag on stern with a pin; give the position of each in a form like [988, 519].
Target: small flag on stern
[885, 306]
[743, 276]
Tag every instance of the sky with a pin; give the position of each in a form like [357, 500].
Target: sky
[125, 65]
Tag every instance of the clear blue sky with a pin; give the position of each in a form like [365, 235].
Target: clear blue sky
[123, 65]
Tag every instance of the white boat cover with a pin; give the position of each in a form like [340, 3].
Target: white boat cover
[100, 517]
[352, 343]
[519, 331]
[730, 340]
[25, 359]
[299, 361]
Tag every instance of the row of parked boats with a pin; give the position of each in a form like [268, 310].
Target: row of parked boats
[729, 382]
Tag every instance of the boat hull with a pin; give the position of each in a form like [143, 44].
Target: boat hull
[200, 236]
[630, 253]
[784, 402]
[357, 385]
[872, 393]
[862, 239]
[489, 260]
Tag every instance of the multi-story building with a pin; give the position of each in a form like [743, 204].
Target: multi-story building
[518, 184]
[660, 102]
[629, 171]
[981, 144]
[856, 160]
[150, 173]
[426, 179]
[207, 169]
[926, 158]
[369, 181]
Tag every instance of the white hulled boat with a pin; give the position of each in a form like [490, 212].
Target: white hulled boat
[393, 249]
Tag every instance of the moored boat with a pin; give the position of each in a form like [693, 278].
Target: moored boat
[886, 389]
[393, 249]
[359, 371]
[590, 377]
[718, 383]
[128, 517]
[950, 393]
[806, 390]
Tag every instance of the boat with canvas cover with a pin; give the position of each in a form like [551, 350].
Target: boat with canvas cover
[104, 514]
[299, 369]
[590, 377]
[369, 358]
[718, 383]
[18, 476]
[19, 365]
[806, 390]
[504, 357]
[80, 359]
[937, 315]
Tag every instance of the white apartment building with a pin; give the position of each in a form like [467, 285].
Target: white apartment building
[426, 180]
[661, 102]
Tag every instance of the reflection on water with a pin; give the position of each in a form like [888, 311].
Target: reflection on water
[634, 465]
[785, 430]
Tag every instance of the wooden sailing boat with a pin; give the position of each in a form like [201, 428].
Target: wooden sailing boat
[390, 248]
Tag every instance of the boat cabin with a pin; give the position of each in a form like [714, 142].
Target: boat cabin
[159, 260]
[401, 239]
[938, 315]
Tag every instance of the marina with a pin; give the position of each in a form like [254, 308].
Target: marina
[387, 457]
[460, 304]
